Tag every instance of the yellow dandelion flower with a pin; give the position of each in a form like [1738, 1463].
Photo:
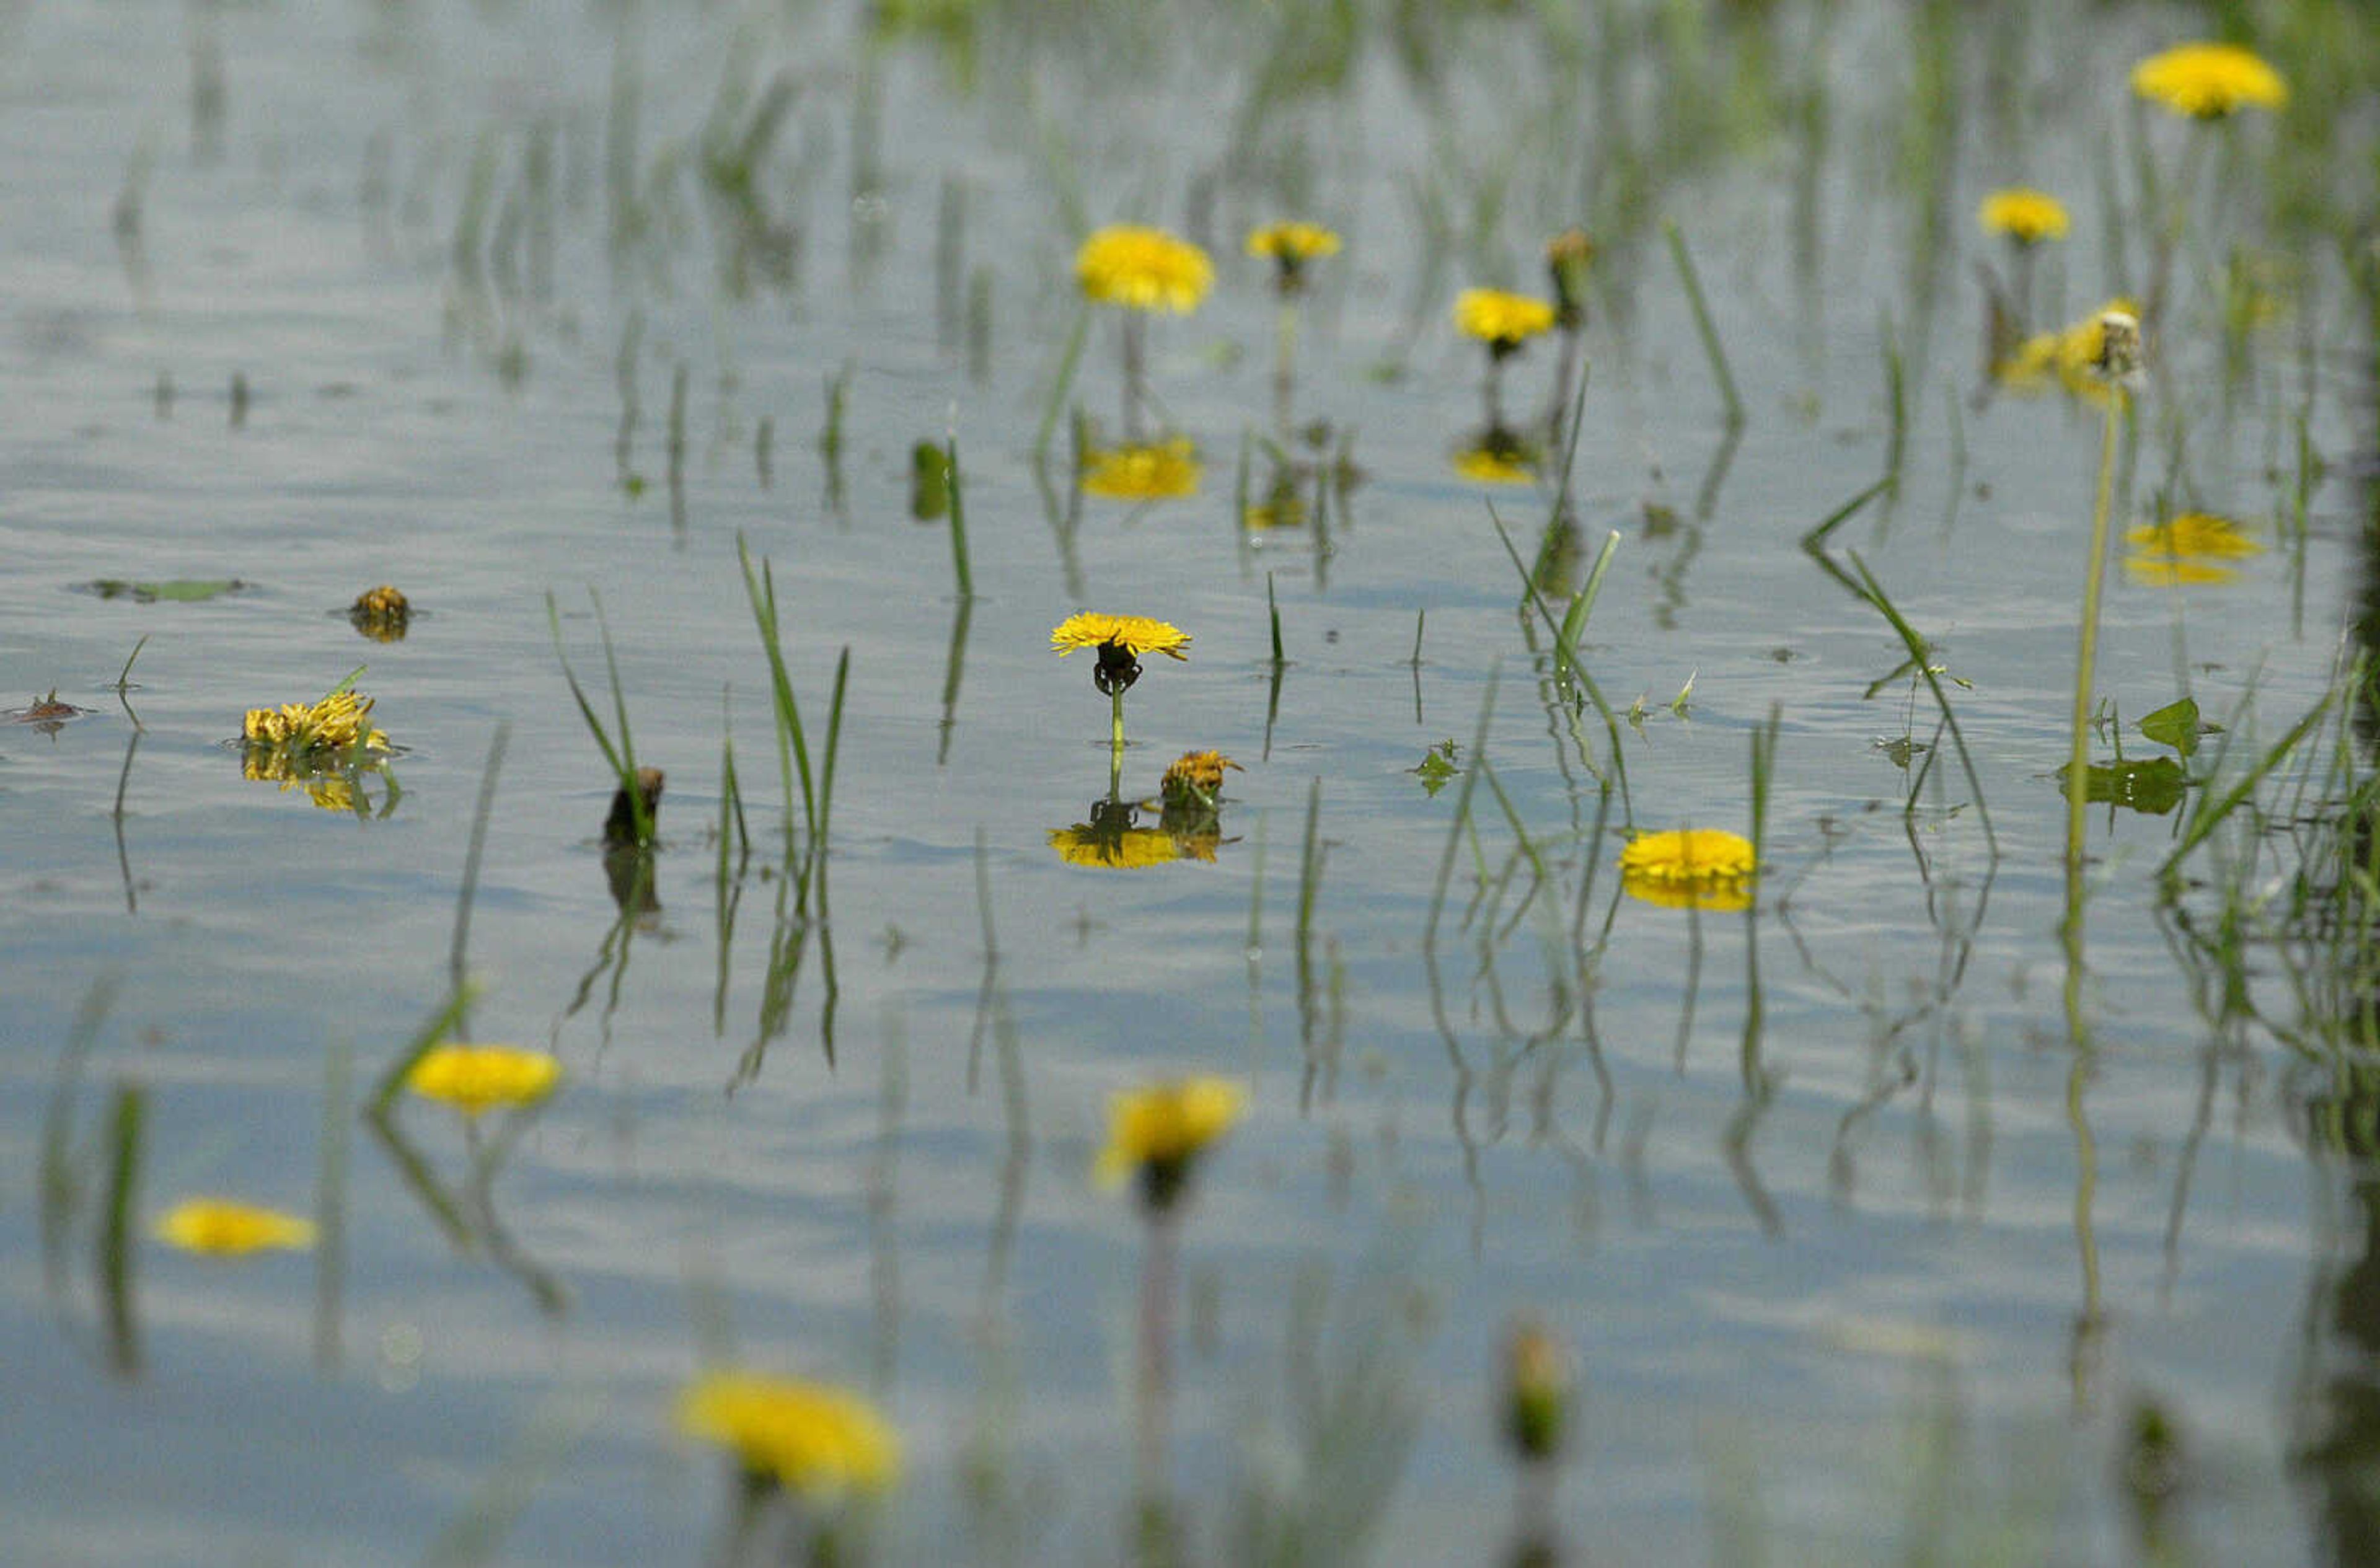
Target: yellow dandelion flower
[2209, 82]
[1143, 269]
[1113, 849]
[1158, 1133]
[1136, 635]
[381, 613]
[1162, 470]
[222, 1227]
[2025, 214]
[816, 1441]
[1199, 773]
[336, 723]
[1293, 243]
[1689, 869]
[2070, 357]
[481, 1077]
[1500, 320]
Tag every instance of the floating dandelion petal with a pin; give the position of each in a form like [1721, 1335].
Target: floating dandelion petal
[222, 1227]
[1690, 868]
[816, 1441]
[1500, 320]
[475, 1079]
[1160, 470]
[1159, 1132]
[1143, 269]
[2209, 82]
[2025, 214]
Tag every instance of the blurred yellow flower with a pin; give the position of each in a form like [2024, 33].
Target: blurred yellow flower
[1136, 635]
[381, 613]
[1689, 869]
[2188, 548]
[816, 1441]
[481, 1077]
[1501, 320]
[2025, 214]
[1143, 269]
[2209, 82]
[1159, 470]
[224, 1228]
[1159, 1131]
[335, 722]
[2070, 357]
[1293, 243]
[1113, 848]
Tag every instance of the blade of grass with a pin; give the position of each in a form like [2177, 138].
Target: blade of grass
[1712, 349]
[958, 522]
[1873, 592]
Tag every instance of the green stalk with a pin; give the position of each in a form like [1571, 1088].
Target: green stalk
[1115, 741]
[1711, 346]
[958, 523]
[2086, 659]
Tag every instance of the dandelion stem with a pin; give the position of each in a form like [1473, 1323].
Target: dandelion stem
[2086, 658]
[1115, 742]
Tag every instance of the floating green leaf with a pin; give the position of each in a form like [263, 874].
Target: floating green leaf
[2175, 724]
[1438, 766]
[178, 591]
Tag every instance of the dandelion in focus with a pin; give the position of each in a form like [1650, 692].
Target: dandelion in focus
[1690, 868]
[1120, 640]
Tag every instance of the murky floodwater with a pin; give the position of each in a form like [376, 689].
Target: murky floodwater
[1853, 1246]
